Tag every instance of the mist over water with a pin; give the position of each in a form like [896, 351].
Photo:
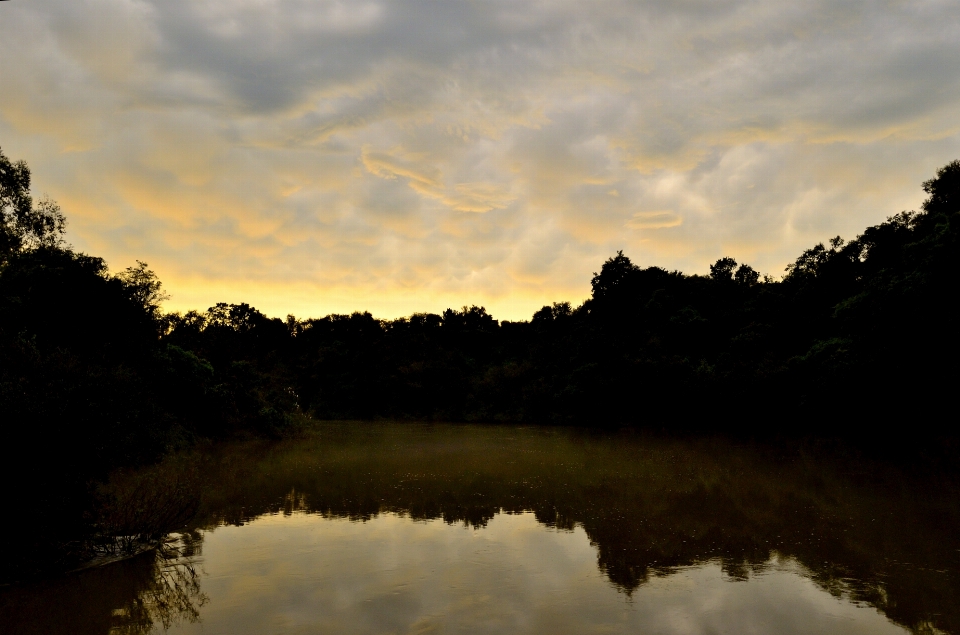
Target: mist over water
[408, 528]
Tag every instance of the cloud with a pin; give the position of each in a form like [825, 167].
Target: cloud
[426, 181]
[654, 220]
[478, 197]
[324, 155]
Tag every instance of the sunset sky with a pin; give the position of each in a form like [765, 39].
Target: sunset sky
[326, 156]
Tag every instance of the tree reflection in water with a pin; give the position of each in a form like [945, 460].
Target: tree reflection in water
[160, 587]
[880, 532]
[885, 533]
[172, 594]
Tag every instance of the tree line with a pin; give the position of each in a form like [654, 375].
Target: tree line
[856, 336]
[854, 329]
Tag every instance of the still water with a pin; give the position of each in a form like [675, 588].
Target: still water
[440, 529]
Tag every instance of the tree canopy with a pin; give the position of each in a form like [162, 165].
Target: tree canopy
[23, 224]
[856, 336]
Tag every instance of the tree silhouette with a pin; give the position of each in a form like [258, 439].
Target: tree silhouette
[723, 269]
[23, 224]
[94, 376]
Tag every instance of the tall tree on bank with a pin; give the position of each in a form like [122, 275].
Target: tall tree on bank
[23, 224]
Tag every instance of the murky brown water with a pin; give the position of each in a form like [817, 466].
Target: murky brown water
[438, 529]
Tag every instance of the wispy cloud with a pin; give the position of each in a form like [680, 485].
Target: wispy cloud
[324, 155]
[663, 219]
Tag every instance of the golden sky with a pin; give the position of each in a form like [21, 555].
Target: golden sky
[320, 156]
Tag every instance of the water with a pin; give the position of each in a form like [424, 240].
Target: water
[463, 529]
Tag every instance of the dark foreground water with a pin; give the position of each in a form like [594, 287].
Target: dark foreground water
[461, 529]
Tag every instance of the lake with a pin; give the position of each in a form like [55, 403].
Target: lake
[416, 528]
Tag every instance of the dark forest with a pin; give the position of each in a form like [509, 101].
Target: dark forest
[859, 339]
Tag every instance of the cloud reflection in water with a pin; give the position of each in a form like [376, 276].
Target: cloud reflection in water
[391, 574]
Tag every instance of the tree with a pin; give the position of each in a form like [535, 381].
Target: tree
[144, 287]
[559, 311]
[613, 276]
[944, 190]
[723, 269]
[746, 275]
[24, 225]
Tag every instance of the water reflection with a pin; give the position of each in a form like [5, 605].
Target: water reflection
[389, 575]
[156, 589]
[408, 528]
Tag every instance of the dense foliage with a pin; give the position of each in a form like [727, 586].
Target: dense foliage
[853, 329]
[94, 376]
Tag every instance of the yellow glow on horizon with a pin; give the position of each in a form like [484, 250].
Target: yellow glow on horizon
[332, 157]
[306, 300]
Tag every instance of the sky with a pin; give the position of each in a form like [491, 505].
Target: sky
[401, 156]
